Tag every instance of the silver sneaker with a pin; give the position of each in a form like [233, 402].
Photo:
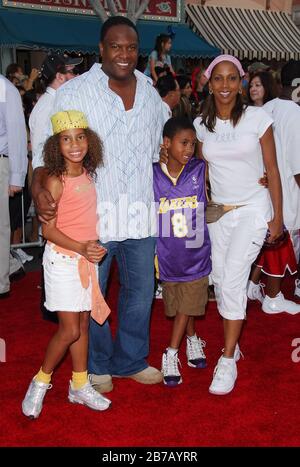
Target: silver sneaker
[33, 402]
[194, 351]
[89, 397]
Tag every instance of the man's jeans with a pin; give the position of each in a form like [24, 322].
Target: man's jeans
[127, 354]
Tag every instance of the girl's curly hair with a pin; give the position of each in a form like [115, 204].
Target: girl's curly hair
[55, 163]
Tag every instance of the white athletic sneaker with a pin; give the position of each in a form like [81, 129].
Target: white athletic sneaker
[255, 291]
[194, 351]
[297, 288]
[88, 396]
[170, 370]
[23, 256]
[280, 304]
[33, 402]
[224, 378]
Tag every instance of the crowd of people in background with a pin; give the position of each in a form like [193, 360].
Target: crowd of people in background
[194, 104]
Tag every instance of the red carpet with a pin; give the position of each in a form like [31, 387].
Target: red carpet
[263, 410]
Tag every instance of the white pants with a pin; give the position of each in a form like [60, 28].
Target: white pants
[236, 240]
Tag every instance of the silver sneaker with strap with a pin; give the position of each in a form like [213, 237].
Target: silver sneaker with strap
[88, 396]
[194, 351]
[33, 402]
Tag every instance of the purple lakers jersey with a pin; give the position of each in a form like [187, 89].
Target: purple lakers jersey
[183, 244]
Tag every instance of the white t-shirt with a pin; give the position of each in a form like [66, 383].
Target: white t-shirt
[235, 159]
[286, 126]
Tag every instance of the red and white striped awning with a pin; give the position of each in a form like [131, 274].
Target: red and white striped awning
[251, 34]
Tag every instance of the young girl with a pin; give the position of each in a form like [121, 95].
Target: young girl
[237, 142]
[183, 246]
[71, 157]
[160, 57]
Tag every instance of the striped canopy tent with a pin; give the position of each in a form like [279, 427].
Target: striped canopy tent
[249, 34]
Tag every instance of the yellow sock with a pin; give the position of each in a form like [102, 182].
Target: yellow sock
[79, 379]
[42, 377]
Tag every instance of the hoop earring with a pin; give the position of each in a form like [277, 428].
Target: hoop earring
[210, 91]
[240, 91]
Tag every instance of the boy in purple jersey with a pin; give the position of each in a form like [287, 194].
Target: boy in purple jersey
[183, 245]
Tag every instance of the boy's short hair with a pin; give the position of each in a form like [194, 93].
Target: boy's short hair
[176, 124]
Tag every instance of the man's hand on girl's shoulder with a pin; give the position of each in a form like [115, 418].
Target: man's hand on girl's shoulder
[163, 154]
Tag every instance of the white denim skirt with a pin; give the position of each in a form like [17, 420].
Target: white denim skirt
[63, 287]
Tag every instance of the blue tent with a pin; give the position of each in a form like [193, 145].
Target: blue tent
[73, 33]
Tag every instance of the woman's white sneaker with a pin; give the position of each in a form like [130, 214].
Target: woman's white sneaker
[224, 378]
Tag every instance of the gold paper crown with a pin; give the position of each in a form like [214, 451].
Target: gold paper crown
[67, 120]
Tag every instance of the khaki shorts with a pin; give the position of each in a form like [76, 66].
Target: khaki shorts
[188, 298]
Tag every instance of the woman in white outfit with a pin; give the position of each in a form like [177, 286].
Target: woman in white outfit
[237, 143]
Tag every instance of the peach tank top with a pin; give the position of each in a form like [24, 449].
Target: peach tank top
[77, 208]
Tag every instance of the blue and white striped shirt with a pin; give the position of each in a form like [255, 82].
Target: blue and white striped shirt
[131, 144]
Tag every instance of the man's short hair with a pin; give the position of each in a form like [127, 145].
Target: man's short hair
[116, 21]
[176, 124]
[289, 72]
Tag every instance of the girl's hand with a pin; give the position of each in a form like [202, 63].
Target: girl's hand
[163, 154]
[276, 230]
[93, 252]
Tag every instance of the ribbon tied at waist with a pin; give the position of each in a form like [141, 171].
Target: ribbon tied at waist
[100, 310]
